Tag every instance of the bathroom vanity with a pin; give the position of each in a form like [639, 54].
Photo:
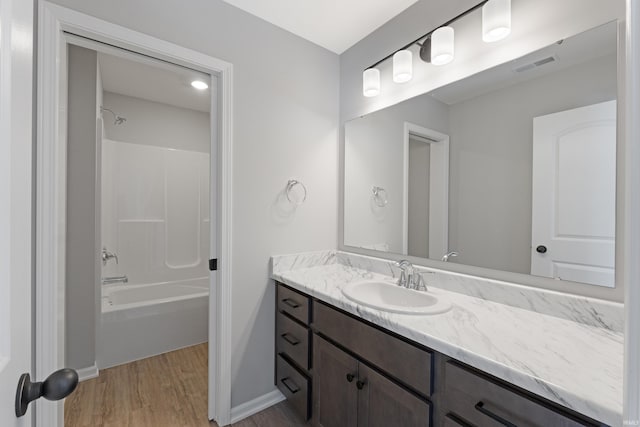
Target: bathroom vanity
[340, 363]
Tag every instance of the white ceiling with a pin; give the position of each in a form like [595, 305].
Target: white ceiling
[153, 80]
[333, 24]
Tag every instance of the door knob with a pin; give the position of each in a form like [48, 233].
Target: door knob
[541, 249]
[57, 386]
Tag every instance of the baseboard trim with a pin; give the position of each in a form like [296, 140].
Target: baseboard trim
[256, 405]
[88, 372]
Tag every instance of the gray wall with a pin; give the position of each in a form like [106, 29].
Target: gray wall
[157, 124]
[418, 195]
[81, 256]
[286, 100]
[491, 156]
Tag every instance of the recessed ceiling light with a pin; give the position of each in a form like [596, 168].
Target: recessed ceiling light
[199, 84]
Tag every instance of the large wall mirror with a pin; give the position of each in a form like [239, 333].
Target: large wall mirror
[511, 169]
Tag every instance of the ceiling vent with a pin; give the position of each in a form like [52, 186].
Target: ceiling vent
[535, 64]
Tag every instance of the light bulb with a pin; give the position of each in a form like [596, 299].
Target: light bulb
[371, 82]
[402, 66]
[496, 20]
[199, 84]
[442, 41]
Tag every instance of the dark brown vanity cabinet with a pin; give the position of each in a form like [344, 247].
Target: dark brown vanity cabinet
[341, 371]
[293, 349]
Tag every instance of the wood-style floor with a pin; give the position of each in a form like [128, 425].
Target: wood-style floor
[169, 390]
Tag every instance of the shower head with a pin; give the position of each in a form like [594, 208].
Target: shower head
[117, 119]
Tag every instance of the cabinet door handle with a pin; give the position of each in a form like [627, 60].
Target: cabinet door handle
[286, 382]
[480, 407]
[291, 303]
[360, 384]
[350, 378]
[290, 338]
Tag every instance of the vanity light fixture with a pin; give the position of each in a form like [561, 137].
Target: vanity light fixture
[496, 20]
[437, 46]
[371, 82]
[402, 66]
[199, 84]
[442, 46]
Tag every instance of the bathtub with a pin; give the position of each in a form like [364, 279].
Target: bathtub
[140, 321]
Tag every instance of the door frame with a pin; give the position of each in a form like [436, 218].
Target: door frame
[631, 251]
[50, 197]
[438, 188]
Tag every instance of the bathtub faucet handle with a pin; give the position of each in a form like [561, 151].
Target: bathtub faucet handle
[106, 256]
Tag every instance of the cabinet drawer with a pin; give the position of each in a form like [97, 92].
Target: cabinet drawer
[405, 362]
[292, 340]
[293, 303]
[485, 402]
[294, 386]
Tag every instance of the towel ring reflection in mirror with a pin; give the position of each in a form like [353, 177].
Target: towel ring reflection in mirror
[293, 195]
[380, 196]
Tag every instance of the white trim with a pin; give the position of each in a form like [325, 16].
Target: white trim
[89, 372]
[405, 188]
[245, 410]
[438, 190]
[50, 196]
[631, 402]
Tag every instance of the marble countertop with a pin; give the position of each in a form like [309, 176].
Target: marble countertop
[576, 365]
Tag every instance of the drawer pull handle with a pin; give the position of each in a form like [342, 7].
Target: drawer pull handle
[291, 303]
[480, 407]
[457, 420]
[360, 384]
[350, 378]
[286, 382]
[290, 338]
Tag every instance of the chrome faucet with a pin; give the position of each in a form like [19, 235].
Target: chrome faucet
[409, 278]
[451, 254]
[106, 256]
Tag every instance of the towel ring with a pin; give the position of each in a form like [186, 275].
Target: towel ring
[379, 196]
[291, 184]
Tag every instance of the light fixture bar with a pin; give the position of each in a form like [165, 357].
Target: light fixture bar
[446, 24]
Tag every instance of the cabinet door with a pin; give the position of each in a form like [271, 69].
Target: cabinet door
[335, 396]
[382, 403]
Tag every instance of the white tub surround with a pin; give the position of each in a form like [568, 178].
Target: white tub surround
[565, 348]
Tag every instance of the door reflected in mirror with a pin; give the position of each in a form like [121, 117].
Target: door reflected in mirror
[511, 169]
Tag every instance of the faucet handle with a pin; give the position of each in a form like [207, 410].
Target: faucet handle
[419, 283]
[448, 255]
[106, 256]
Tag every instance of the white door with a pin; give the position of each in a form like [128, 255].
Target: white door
[16, 33]
[574, 195]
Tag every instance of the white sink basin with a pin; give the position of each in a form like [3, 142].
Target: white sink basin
[388, 296]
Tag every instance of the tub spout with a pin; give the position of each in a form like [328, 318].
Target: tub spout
[115, 279]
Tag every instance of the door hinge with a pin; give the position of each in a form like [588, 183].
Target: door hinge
[213, 264]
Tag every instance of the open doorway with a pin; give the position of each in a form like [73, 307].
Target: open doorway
[59, 30]
[138, 228]
[425, 192]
